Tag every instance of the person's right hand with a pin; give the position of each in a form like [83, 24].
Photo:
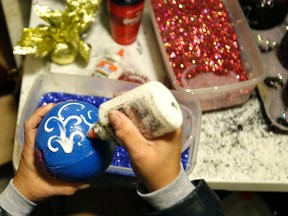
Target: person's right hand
[156, 162]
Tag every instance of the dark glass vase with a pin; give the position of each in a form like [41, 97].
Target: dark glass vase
[282, 51]
[264, 14]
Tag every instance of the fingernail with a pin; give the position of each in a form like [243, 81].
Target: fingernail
[91, 134]
[114, 118]
[49, 105]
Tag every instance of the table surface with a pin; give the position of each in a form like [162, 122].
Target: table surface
[237, 150]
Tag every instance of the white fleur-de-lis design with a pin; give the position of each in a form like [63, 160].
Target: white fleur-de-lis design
[65, 142]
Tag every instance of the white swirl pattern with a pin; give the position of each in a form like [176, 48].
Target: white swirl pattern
[65, 142]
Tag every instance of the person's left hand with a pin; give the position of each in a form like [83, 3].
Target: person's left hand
[30, 179]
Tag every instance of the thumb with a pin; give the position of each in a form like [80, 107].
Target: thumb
[31, 125]
[125, 130]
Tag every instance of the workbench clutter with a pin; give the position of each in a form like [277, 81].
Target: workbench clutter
[60, 40]
[267, 20]
[231, 139]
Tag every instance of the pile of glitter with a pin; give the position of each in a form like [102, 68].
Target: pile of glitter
[198, 37]
[121, 159]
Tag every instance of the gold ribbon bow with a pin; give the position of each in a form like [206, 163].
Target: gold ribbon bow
[61, 40]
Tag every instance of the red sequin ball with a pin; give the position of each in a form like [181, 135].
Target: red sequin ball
[198, 35]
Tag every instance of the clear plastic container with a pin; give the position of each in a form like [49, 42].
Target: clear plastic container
[220, 96]
[84, 85]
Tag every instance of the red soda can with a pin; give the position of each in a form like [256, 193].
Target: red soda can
[125, 19]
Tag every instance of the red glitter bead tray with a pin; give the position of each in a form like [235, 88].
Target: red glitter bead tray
[208, 50]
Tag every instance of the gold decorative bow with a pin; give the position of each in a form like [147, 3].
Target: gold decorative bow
[61, 41]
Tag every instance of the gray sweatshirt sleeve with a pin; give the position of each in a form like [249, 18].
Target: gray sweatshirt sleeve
[171, 194]
[14, 203]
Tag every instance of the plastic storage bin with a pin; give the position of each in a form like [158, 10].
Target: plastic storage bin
[222, 95]
[81, 86]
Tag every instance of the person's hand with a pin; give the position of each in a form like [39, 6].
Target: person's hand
[156, 162]
[30, 179]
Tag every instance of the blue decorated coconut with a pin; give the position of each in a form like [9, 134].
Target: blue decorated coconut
[63, 148]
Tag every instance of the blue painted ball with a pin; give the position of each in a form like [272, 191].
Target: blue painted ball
[63, 148]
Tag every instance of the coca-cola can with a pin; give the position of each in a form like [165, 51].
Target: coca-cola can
[125, 19]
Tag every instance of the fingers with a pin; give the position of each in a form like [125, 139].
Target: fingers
[69, 189]
[125, 130]
[31, 125]
[35, 119]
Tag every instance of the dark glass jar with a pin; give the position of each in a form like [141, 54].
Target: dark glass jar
[282, 51]
[264, 14]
